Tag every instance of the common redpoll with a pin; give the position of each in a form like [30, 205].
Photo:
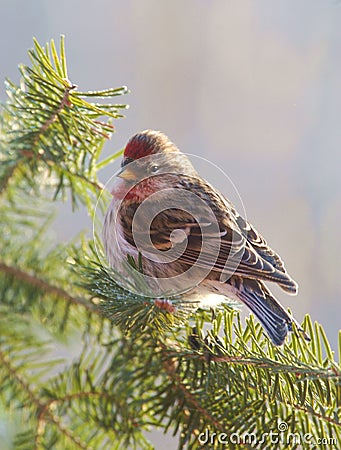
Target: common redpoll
[190, 237]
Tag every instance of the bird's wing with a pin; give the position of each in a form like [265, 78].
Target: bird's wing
[256, 240]
[221, 241]
[237, 256]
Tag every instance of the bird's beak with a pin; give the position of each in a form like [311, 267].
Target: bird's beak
[127, 174]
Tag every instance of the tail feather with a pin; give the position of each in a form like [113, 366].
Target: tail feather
[275, 319]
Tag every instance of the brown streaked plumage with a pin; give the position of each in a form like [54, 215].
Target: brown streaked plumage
[256, 261]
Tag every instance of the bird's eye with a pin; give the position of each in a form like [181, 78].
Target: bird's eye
[154, 169]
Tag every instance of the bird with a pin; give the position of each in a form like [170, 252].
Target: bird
[164, 211]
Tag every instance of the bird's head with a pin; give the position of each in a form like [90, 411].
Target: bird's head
[146, 143]
[150, 153]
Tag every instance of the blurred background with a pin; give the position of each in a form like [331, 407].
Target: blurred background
[254, 87]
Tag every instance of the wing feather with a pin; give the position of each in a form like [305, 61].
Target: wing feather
[235, 246]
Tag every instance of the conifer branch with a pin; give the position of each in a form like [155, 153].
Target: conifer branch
[95, 184]
[30, 153]
[45, 286]
[55, 128]
[264, 363]
[6, 178]
[63, 103]
[316, 414]
[46, 412]
[24, 385]
[192, 401]
[63, 429]
[40, 406]
[143, 365]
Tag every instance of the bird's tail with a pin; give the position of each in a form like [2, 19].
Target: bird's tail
[275, 319]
